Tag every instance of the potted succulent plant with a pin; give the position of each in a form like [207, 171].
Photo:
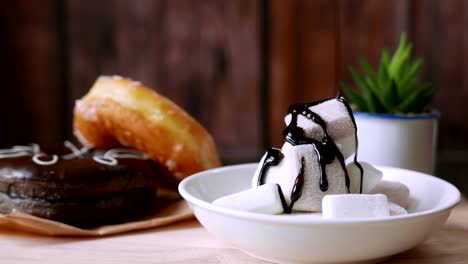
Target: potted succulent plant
[395, 125]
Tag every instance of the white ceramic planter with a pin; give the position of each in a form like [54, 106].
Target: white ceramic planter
[405, 141]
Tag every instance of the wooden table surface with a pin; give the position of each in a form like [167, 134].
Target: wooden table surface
[188, 242]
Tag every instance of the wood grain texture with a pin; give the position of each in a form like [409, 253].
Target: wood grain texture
[302, 57]
[30, 101]
[421, 25]
[365, 27]
[203, 55]
[189, 242]
[447, 54]
[206, 56]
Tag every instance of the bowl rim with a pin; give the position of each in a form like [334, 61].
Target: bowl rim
[279, 219]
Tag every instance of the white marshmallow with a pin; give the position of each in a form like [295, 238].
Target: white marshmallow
[354, 206]
[263, 199]
[396, 192]
[286, 172]
[395, 209]
[371, 177]
[347, 145]
[340, 126]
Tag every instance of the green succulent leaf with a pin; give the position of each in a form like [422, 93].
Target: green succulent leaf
[391, 96]
[383, 69]
[417, 100]
[359, 80]
[354, 97]
[398, 57]
[402, 68]
[373, 104]
[410, 79]
[394, 86]
[371, 80]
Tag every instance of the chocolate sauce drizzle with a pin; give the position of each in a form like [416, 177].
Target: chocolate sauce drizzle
[273, 158]
[296, 192]
[326, 151]
[350, 112]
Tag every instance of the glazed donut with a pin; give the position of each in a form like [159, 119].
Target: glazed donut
[121, 112]
[78, 186]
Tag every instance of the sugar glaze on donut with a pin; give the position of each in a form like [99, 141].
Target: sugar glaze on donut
[120, 112]
[110, 157]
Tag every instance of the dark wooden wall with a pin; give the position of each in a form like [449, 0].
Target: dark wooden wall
[235, 65]
[204, 55]
[313, 43]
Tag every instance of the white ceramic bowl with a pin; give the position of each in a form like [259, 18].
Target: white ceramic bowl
[305, 238]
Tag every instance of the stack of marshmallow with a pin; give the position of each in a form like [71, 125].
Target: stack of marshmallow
[378, 198]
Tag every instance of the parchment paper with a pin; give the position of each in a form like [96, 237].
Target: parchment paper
[174, 209]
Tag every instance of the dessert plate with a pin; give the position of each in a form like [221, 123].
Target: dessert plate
[306, 237]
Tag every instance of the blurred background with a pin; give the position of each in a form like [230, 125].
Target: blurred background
[234, 65]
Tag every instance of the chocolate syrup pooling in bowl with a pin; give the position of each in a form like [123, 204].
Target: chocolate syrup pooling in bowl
[326, 151]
